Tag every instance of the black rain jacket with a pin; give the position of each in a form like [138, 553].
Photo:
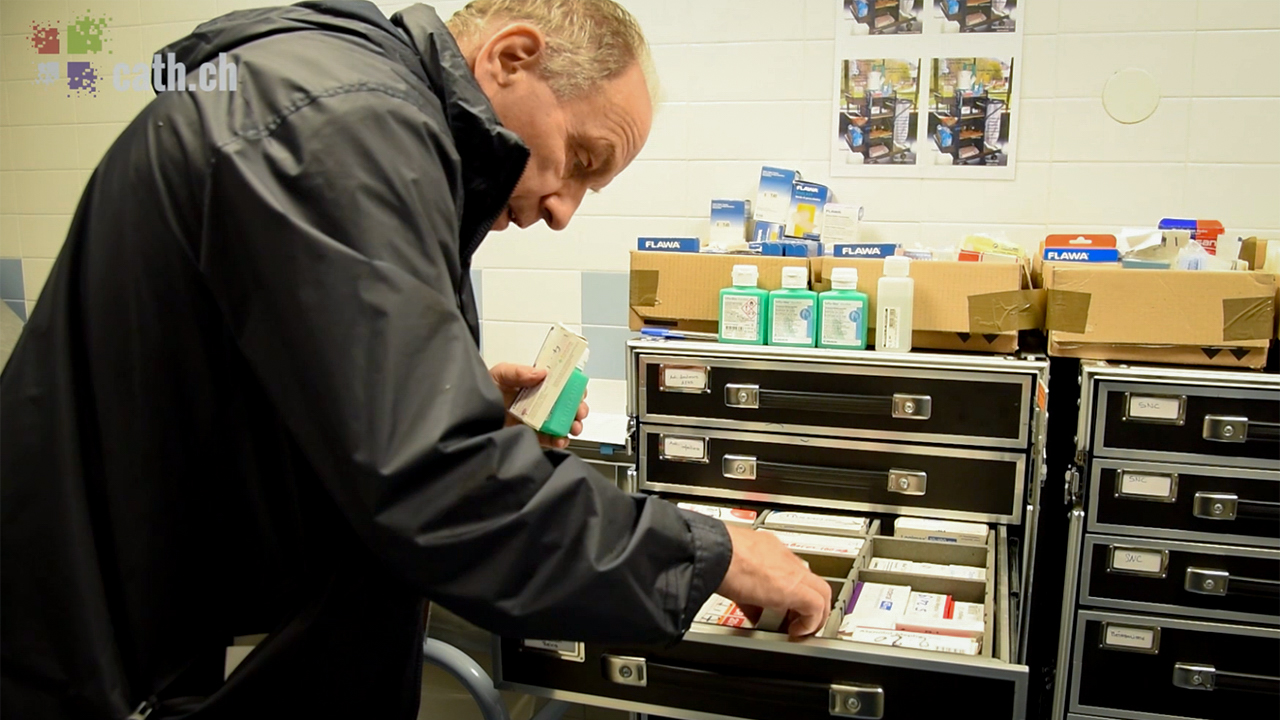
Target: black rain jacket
[250, 401]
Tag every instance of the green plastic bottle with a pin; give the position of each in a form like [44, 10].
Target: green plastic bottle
[565, 411]
[744, 314]
[793, 310]
[842, 313]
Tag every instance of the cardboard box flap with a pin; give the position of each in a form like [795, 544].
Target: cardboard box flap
[1158, 307]
[686, 286]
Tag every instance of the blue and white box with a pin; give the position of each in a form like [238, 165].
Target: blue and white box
[804, 217]
[766, 232]
[865, 250]
[1082, 254]
[729, 222]
[773, 198]
[788, 247]
[669, 244]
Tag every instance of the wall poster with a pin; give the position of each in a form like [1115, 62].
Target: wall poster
[926, 88]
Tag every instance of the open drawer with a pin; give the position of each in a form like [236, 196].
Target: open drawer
[845, 475]
[731, 672]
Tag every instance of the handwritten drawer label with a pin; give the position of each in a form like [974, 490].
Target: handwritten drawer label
[1137, 561]
[566, 649]
[1155, 407]
[1125, 637]
[1146, 486]
[684, 448]
[683, 377]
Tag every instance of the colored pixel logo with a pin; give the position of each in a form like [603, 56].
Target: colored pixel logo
[44, 38]
[84, 36]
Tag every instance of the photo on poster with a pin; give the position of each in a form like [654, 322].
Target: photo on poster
[885, 17]
[970, 111]
[877, 111]
[977, 16]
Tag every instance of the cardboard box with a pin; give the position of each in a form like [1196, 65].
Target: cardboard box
[682, 291]
[958, 306]
[1163, 316]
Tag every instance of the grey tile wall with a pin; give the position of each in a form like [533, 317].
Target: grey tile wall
[605, 298]
[608, 351]
[12, 291]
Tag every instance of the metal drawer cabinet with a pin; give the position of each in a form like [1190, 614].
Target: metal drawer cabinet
[1185, 502]
[1201, 423]
[957, 483]
[1196, 579]
[837, 394]
[1138, 667]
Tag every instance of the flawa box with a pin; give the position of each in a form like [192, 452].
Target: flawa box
[682, 290]
[958, 305]
[1163, 316]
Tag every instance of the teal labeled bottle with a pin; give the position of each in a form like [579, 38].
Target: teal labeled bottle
[842, 313]
[793, 310]
[565, 410]
[744, 308]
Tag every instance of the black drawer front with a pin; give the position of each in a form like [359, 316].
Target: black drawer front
[1211, 423]
[1144, 682]
[1212, 504]
[1198, 580]
[759, 684]
[962, 408]
[839, 474]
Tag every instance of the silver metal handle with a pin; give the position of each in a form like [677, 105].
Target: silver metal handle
[908, 482]
[857, 701]
[1226, 428]
[900, 406]
[1215, 506]
[1211, 581]
[624, 670]
[1207, 678]
[899, 480]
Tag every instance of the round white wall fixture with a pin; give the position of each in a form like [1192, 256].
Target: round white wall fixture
[1131, 95]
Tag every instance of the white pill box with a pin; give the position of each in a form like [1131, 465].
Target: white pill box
[820, 544]
[719, 610]
[970, 612]
[917, 568]
[956, 619]
[737, 516]
[912, 640]
[928, 605]
[876, 605]
[940, 530]
[815, 522]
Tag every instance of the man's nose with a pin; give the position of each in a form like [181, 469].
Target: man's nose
[560, 206]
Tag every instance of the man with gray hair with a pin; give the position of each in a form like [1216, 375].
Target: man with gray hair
[250, 400]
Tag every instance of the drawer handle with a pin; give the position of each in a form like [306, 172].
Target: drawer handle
[1210, 581]
[899, 406]
[857, 701]
[622, 670]
[1238, 429]
[1194, 676]
[1229, 506]
[896, 480]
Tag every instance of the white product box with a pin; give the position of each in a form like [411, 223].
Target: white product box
[940, 530]
[559, 355]
[919, 568]
[822, 544]
[773, 197]
[915, 641]
[940, 626]
[877, 604]
[891, 565]
[719, 610]
[928, 605]
[737, 516]
[968, 612]
[816, 522]
[841, 224]
[729, 223]
[968, 573]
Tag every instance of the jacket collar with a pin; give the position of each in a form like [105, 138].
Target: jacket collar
[493, 157]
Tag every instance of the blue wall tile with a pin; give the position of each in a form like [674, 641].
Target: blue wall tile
[477, 285]
[19, 308]
[608, 359]
[606, 298]
[11, 279]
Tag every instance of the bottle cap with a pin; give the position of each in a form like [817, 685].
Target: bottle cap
[745, 275]
[897, 266]
[844, 278]
[795, 278]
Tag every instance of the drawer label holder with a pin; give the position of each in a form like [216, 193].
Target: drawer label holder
[1128, 638]
[1147, 486]
[1162, 409]
[1138, 561]
[684, 379]
[683, 448]
[566, 649]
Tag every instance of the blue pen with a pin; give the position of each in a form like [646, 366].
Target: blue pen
[666, 334]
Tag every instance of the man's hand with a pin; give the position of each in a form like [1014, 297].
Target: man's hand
[764, 573]
[512, 378]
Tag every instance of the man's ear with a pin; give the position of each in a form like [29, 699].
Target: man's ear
[510, 54]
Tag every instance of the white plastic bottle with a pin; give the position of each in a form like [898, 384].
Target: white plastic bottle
[895, 297]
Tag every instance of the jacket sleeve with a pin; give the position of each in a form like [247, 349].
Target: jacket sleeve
[328, 244]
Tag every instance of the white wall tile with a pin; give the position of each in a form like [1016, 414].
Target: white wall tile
[815, 84]
[117, 12]
[42, 236]
[655, 187]
[1022, 200]
[35, 271]
[1236, 130]
[9, 192]
[669, 138]
[167, 11]
[533, 295]
[731, 131]
[660, 21]
[10, 237]
[1086, 62]
[19, 59]
[1107, 16]
[226, 6]
[516, 342]
[1084, 132]
[1039, 66]
[151, 38]
[1040, 17]
[1237, 64]
[1239, 195]
[31, 104]
[42, 147]
[1115, 194]
[1239, 15]
[52, 192]
[820, 19]
[885, 200]
[607, 397]
[18, 15]
[1035, 131]
[759, 71]
[746, 20]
